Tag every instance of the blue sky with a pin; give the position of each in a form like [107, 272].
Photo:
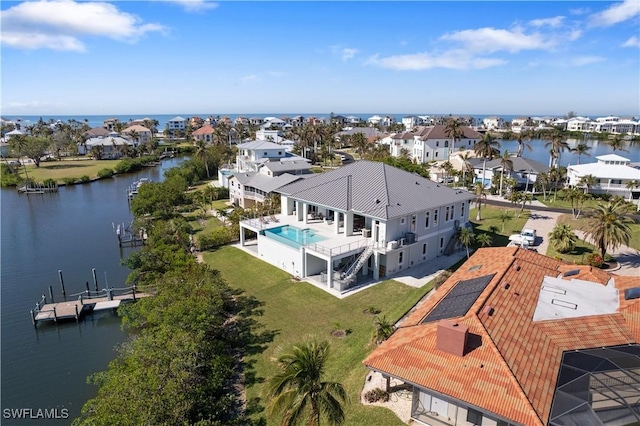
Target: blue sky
[163, 57]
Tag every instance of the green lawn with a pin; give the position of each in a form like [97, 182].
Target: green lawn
[491, 217]
[59, 170]
[294, 310]
[634, 240]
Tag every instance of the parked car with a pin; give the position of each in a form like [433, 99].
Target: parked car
[526, 237]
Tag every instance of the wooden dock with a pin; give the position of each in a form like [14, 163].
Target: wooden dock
[83, 303]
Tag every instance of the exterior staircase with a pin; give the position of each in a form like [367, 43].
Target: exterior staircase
[453, 243]
[351, 270]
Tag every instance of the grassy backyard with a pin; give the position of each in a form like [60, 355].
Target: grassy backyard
[68, 168]
[294, 310]
[491, 217]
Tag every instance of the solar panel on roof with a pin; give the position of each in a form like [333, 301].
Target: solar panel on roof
[632, 293]
[571, 272]
[460, 299]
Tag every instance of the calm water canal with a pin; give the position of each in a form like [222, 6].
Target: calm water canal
[46, 367]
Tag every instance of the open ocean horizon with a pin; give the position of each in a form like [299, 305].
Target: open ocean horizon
[97, 120]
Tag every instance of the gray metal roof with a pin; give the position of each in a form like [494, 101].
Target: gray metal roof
[263, 182]
[373, 189]
[281, 166]
[519, 164]
[260, 145]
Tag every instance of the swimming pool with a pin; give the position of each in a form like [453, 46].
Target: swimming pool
[292, 236]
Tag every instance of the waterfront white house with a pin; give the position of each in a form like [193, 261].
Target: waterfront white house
[431, 143]
[356, 224]
[255, 153]
[177, 123]
[137, 134]
[613, 176]
[111, 146]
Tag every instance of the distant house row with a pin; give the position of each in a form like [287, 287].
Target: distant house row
[608, 124]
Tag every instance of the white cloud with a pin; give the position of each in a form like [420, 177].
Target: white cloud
[249, 78]
[196, 6]
[494, 40]
[580, 61]
[617, 13]
[556, 21]
[632, 42]
[454, 59]
[59, 24]
[348, 53]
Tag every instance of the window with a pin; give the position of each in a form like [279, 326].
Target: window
[441, 242]
[413, 223]
[437, 144]
[436, 153]
[474, 417]
[453, 210]
[400, 258]
[446, 214]
[424, 248]
[403, 220]
[426, 219]
[462, 209]
[435, 217]
[446, 144]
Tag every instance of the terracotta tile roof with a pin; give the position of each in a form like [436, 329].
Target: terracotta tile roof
[514, 370]
[204, 130]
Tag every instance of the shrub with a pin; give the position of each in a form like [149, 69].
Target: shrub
[214, 239]
[440, 279]
[105, 173]
[49, 182]
[85, 179]
[375, 395]
[69, 180]
[594, 259]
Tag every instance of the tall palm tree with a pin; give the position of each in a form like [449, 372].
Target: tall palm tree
[607, 226]
[563, 238]
[577, 198]
[203, 154]
[484, 239]
[455, 130]
[504, 217]
[616, 144]
[505, 163]
[384, 329]
[556, 146]
[466, 237]
[480, 196]
[486, 148]
[581, 149]
[523, 137]
[298, 390]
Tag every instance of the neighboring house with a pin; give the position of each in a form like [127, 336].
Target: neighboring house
[256, 121]
[13, 133]
[525, 171]
[111, 146]
[177, 123]
[110, 124]
[371, 133]
[249, 188]
[204, 133]
[357, 224]
[517, 338]
[142, 134]
[613, 173]
[493, 123]
[275, 136]
[253, 154]
[97, 132]
[433, 144]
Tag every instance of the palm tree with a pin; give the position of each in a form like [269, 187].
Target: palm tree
[486, 148]
[484, 239]
[455, 130]
[522, 139]
[505, 163]
[563, 238]
[298, 390]
[359, 143]
[203, 154]
[504, 217]
[556, 146]
[631, 185]
[607, 226]
[577, 198]
[616, 144]
[384, 329]
[587, 181]
[466, 237]
[581, 149]
[480, 195]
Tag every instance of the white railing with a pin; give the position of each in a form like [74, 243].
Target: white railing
[334, 251]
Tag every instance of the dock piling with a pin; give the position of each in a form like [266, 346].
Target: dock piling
[33, 318]
[51, 293]
[87, 285]
[77, 316]
[64, 293]
[134, 293]
[55, 315]
[95, 279]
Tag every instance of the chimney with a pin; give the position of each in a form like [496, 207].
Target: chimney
[451, 337]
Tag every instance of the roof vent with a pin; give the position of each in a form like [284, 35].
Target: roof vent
[377, 201]
[417, 183]
[451, 337]
[488, 310]
[518, 268]
[506, 286]
[571, 273]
